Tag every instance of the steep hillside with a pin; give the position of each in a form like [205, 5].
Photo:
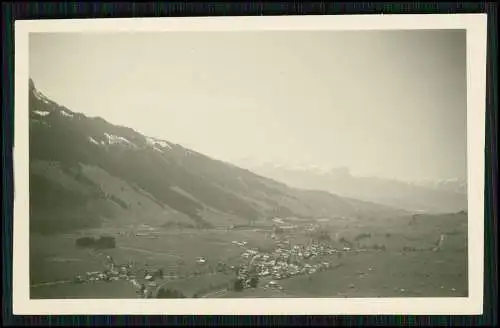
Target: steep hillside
[85, 172]
[437, 197]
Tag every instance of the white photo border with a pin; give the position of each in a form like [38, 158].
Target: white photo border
[474, 24]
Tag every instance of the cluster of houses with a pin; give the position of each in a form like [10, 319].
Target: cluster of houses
[286, 260]
[201, 260]
[273, 284]
[239, 243]
[126, 272]
[281, 269]
[142, 231]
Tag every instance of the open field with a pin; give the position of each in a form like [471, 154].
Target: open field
[96, 290]
[397, 259]
[260, 292]
[417, 274]
[56, 257]
[196, 285]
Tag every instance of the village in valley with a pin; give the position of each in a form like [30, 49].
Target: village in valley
[253, 268]
[267, 262]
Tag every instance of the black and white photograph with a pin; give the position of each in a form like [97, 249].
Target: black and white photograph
[221, 164]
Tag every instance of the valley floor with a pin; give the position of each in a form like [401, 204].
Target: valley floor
[408, 265]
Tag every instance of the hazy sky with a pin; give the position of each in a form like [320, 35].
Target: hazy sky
[385, 103]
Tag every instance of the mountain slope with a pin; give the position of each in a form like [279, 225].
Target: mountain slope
[437, 197]
[85, 172]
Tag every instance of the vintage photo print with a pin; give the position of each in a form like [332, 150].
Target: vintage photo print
[250, 165]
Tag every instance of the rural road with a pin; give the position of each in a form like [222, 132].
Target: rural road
[51, 283]
[216, 293]
[148, 251]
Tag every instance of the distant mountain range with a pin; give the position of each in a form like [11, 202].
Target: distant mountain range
[439, 196]
[451, 185]
[86, 172]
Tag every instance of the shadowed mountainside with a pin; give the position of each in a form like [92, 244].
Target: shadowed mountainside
[86, 171]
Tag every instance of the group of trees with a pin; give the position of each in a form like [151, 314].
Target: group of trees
[169, 293]
[323, 235]
[346, 242]
[239, 284]
[363, 235]
[254, 282]
[378, 247]
[278, 229]
[103, 242]
[409, 249]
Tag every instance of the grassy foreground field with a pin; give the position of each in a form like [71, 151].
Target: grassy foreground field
[56, 259]
[417, 274]
[96, 290]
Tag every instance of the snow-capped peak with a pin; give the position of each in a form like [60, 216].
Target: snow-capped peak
[113, 140]
[67, 114]
[158, 142]
[449, 184]
[92, 140]
[41, 96]
[41, 113]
